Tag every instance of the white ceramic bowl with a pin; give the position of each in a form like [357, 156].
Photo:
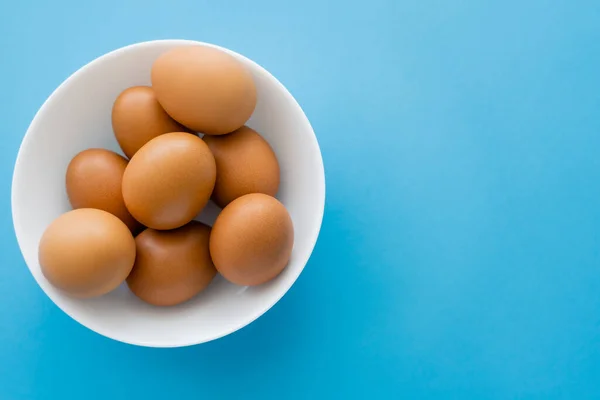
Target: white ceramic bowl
[77, 116]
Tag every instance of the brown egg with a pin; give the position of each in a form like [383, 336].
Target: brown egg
[94, 179]
[245, 164]
[169, 180]
[86, 252]
[137, 117]
[204, 89]
[251, 240]
[172, 266]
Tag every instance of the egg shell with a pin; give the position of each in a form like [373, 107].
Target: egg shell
[169, 180]
[137, 118]
[252, 239]
[172, 266]
[204, 88]
[246, 164]
[86, 252]
[93, 180]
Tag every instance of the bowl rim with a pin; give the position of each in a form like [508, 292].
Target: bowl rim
[251, 317]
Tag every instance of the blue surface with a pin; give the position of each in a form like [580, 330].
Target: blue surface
[460, 250]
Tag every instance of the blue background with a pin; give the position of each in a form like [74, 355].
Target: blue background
[460, 251]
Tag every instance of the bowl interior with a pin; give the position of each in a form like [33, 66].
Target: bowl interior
[77, 116]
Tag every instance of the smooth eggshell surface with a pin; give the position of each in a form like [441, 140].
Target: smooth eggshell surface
[172, 266]
[245, 164]
[86, 252]
[137, 118]
[94, 179]
[204, 88]
[169, 180]
[252, 239]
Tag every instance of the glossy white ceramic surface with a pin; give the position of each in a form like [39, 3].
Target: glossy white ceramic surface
[78, 116]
